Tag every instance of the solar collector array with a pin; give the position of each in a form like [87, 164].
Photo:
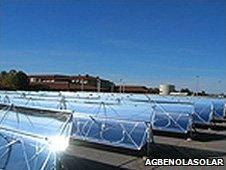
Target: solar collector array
[206, 109]
[124, 108]
[121, 120]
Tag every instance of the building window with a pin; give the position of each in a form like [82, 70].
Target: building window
[32, 79]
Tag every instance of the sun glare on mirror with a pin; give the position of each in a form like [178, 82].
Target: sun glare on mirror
[58, 143]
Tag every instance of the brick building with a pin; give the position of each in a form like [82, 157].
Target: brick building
[131, 89]
[73, 83]
[90, 83]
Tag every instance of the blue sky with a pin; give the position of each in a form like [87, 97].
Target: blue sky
[142, 42]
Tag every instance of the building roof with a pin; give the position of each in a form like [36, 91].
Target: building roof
[133, 89]
[48, 75]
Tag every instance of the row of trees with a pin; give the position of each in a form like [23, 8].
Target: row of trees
[13, 80]
[189, 92]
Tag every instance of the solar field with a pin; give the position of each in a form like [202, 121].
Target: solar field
[35, 126]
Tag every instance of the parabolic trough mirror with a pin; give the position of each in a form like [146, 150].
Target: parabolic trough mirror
[128, 124]
[32, 139]
[110, 119]
[206, 109]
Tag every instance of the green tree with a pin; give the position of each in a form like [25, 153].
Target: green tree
[186, 90]
[13, 80]
[154, 90]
